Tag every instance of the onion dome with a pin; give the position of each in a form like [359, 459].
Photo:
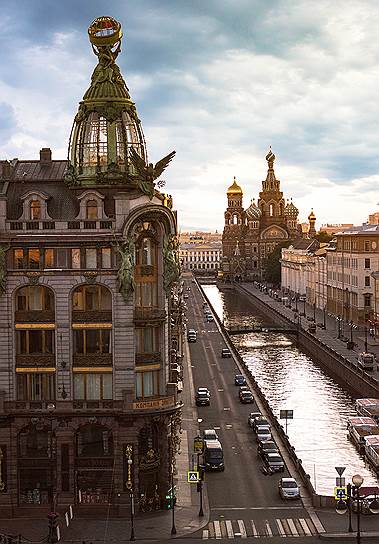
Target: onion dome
[106, 128]
[234, 189]
[311, 216]
[290, 210]
[253, 212]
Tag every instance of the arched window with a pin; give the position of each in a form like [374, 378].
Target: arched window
[91, 209]
[146, 273]
[34, 298]
[235, 220]
[89, 298]
[146, 252]
[35, 209]
[271, 210]
[94, 441]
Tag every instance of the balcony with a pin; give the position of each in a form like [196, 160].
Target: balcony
[45, 360]
[146, 358]
[143, 314]
[92, 316]
[92, 359]
[34, 316]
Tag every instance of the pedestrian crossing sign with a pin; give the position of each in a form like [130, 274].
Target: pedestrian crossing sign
[193, 477]
[340, 493]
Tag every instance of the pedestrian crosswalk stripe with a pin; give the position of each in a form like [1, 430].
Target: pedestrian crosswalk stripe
[268, 528]
[282, 527]
[217, 529]
[305, 527]
[242, 529]
[255, 532]
[229, 528]
[292, 527]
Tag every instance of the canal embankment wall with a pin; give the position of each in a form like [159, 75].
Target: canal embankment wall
[318, 501]
[348, 374]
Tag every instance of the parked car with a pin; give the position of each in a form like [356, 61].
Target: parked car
[252, 417]
[366, 361]
[274, 462]
[263, 433]
[210, 434]
[175, 367]
[268, 446]
[185, 295]
[239, 379]
[191, 335]
[288, 488]
[202, 397]
[260, 422]
[242, 389]
[246, 397]
[225, 353]
[209, 318]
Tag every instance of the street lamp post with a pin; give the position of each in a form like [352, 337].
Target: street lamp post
[52, 517]
[129, 485]
[172, 498]
[358, 481]
[314, 311]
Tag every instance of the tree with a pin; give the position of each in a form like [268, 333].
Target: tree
[323, 236]
[272, 267]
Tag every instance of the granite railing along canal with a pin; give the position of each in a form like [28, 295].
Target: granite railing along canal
[290, 379]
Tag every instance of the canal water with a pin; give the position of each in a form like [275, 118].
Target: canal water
[291, 380]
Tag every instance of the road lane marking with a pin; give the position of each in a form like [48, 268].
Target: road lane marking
[254, 529]
[292, 527]
[242, 528]
[226, 409]
[268, 528]
[205, 534]
[229, 528]
[216, 525]
[280, 527]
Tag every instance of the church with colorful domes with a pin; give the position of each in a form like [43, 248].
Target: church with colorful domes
[251, 234]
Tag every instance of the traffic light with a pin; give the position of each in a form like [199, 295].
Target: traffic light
[169, 499]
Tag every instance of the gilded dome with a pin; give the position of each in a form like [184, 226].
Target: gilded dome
[290, 210]
[253, 212]
[311, 216]
[234, 189]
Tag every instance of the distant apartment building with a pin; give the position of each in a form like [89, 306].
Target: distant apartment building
[350, 292]
[201, 257]
[199, 237]
[330, 228]
[303, 267]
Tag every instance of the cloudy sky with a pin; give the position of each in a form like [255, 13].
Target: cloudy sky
[219, 81]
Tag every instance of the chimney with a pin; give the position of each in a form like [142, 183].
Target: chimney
[45, 156]
[6, 170]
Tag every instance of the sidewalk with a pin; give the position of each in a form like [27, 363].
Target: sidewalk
[149, 526]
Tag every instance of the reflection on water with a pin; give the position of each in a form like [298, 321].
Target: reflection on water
[291, 380]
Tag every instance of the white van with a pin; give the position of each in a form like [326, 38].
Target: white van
[366, 361]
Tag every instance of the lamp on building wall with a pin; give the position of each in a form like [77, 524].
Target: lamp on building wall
[129, 486]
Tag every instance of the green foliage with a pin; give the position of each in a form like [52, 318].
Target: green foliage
[272, 268]
[323, 236]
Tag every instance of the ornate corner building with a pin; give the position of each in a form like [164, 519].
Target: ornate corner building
[90, 312]
[250, 235]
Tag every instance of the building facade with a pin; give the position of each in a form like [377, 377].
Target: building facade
[350, 266]
[251, 234]
[201, 257]
[298, 269]
[90, 312]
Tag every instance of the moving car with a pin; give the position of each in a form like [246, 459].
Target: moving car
[252, 417]
[191, 335]
[210, 434]
[239, 379]
[274, 462]
[202, 397]
[246, 397]
[225, 353]
[288, 488]
[213, 455]
[268, 446]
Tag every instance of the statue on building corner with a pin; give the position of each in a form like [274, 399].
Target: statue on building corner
[171, 261]
[125, 273]
[147, 173]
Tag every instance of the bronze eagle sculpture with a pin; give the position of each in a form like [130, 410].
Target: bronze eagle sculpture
[147, 173]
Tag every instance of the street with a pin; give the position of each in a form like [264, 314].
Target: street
[243, 500]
